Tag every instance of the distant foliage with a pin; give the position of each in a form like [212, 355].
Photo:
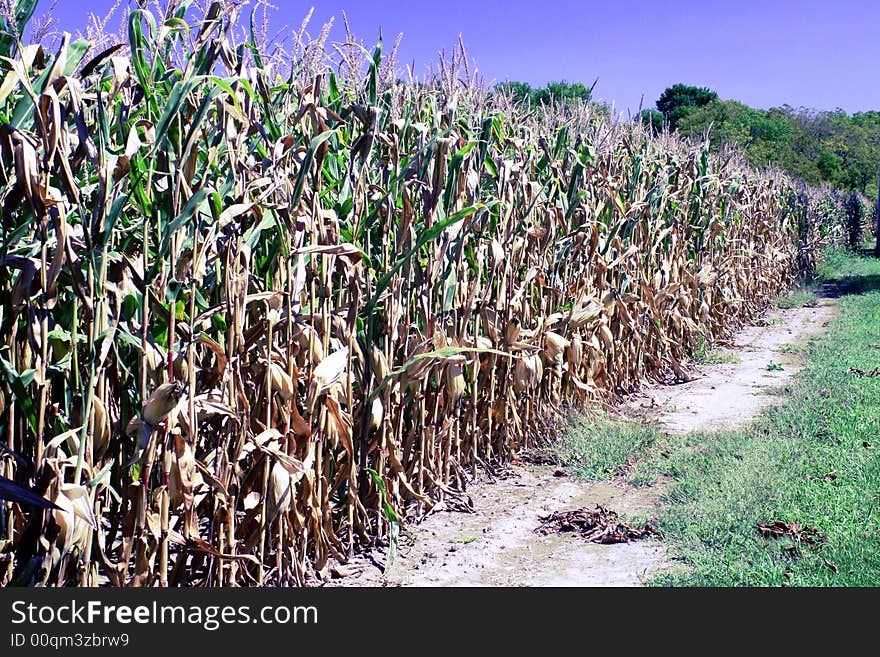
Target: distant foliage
[560, 91]
[518, 91]
[679, 100]
[834, 148]
[653, 119]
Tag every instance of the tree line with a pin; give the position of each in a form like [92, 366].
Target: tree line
[831, 147]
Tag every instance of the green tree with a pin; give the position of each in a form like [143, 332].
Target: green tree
[830, 147]
[653, 119]
[563, 91]
[560, 91]
[678, 100]
[520, 91]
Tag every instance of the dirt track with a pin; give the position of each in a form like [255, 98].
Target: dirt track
[497, 545]
[730, 394]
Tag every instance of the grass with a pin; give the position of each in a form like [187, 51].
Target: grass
[595, 448]
[704, 354]
[814, 460]
[810, 461]
[464, 540]
[720, 356]
[797, 298]
[852, 275]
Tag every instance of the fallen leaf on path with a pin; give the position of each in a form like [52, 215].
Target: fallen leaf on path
[599, 526]
[536, 457]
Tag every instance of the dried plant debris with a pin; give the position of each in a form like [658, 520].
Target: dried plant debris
[801, 535]
[598, 526]
[537, 457]
[855, 371]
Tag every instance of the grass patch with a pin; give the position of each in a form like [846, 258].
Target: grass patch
[797, 298]
[464, 540]
[814, 461]
[594, 448]
[848, 273]
[706, 356]
[840, 265]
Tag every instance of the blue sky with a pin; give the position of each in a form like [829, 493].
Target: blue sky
[808, 53]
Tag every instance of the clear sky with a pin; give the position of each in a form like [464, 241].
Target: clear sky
[821, 54]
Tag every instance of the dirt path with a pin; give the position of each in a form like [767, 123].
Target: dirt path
[729, 394]
[496, 545]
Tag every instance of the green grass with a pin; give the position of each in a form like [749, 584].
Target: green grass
[793, 348]
[852, 274]
[814, 460]
[464, 540]
[797, 298]
[594, 448]
[705, 355]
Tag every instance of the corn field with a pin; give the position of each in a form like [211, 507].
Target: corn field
[257, 313]
[858, 220]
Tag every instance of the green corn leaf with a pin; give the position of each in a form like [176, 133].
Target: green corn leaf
[19, 383]
[426, 236]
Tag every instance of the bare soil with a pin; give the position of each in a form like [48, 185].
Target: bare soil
[731, 394]
[497, 545]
